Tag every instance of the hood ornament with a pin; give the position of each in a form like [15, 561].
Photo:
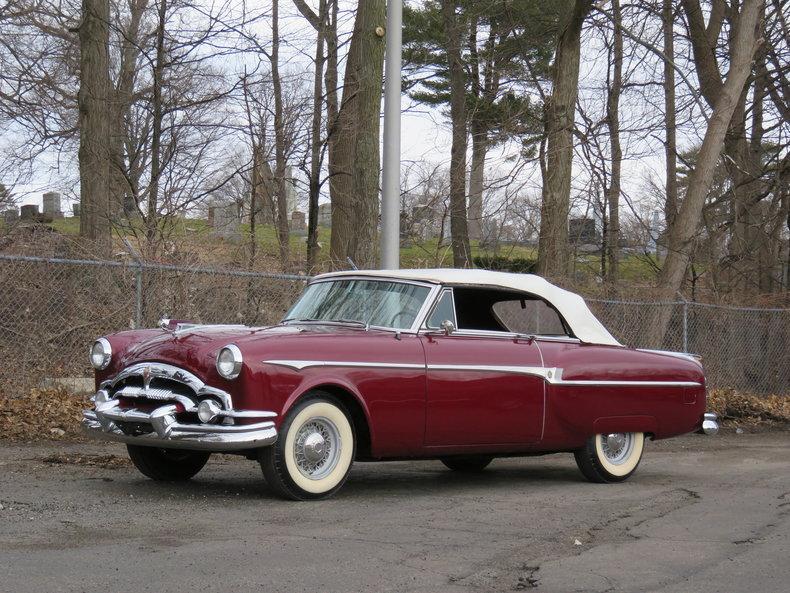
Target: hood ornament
[146, 378]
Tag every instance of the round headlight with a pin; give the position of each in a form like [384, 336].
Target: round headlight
[229, 361]
[101, 353]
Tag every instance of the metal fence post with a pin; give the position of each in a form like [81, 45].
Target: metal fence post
[685, 326]
[138, 296]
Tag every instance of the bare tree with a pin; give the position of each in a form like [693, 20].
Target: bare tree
[355, 135]
[553, 249]
[462, 256]
[670, 125]
[612, 235]
[682, 233]
[94, 153]
[279, 141]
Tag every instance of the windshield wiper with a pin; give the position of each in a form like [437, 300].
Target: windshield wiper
[327, 321]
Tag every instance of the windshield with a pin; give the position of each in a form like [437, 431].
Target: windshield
[372, 302]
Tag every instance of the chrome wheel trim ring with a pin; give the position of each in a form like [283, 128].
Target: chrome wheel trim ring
[317, 448]
[617, 447]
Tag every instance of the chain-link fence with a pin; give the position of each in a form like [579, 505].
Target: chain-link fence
[742, 348]
[52, 309]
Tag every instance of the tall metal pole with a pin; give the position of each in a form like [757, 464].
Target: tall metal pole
[390, 183]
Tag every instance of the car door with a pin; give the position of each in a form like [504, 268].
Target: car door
[484, 386]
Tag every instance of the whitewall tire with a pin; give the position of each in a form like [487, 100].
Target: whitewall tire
[610, 457]
[314, 451]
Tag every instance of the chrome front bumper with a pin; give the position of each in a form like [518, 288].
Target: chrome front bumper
[710, 423]
[166, 432]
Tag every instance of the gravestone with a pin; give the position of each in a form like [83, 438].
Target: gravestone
[10, 216]
[325, 215]
[130, 207]
[28, 212]
[227, 220]
[298, 221]
[52, 205]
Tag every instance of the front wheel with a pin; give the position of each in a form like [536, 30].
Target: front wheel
[610, 457]
[314, 453]
[167, 465]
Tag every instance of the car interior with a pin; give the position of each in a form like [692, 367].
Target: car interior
[488, 309]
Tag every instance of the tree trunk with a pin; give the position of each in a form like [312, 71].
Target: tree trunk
[458, 223]
[255, 192]
[476, 182]
[123, 181]
[367, 161]
[682, 233]
[613, 123]
[342, 143]
[283, 237]
[315, 141]
[670, 140]
[94, 123]
[553, 247]
[156, 126]
[479, 137]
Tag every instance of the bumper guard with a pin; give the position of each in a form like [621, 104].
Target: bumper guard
[167, 432]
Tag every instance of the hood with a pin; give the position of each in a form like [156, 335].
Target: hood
[196, 347]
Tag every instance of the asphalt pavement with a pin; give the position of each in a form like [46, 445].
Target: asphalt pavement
[701, 514]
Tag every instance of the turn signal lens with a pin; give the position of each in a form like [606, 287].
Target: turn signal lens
[208, 410]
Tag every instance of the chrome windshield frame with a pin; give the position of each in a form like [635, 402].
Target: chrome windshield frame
[433, 289]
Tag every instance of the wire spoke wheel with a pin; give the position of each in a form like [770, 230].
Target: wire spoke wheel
[317, 448]
[617, 446]
[610, 457]
[314, 452]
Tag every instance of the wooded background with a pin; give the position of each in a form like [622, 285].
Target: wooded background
[167, 104]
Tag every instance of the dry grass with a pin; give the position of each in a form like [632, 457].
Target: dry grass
[738, 407]
[42, 414]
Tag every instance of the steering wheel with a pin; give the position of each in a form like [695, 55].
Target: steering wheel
[398, 315]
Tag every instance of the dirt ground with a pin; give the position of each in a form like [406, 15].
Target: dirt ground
[701, 514]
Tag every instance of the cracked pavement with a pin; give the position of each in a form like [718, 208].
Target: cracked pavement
[701, 514]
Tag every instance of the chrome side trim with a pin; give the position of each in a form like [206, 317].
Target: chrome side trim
[617, 382]
[298, 365]
[630, 383]
[681, 355]
[551, 374]
[546, 373]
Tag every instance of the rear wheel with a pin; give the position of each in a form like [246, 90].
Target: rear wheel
[467, 463]
[314, 453]
[167, 465]
[610, 457]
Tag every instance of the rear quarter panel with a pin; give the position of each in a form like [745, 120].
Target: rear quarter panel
[575, 412]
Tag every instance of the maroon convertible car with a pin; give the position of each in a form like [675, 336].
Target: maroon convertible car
[457, 365]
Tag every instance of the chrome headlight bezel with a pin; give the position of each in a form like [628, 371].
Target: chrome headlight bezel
[236, 362]
[100, 360]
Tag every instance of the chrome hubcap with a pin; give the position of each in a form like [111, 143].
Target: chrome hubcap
[314, 447]
[317, 448]
[617, 446]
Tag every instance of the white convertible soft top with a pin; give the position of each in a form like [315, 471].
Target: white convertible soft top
[570, 305]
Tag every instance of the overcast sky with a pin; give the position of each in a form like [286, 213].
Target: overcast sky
[425, 132]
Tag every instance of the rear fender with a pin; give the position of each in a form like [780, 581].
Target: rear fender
[646, 424]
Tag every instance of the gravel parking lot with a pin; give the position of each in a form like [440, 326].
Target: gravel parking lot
[701, 514]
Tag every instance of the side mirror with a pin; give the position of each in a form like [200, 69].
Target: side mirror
[448, 327]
